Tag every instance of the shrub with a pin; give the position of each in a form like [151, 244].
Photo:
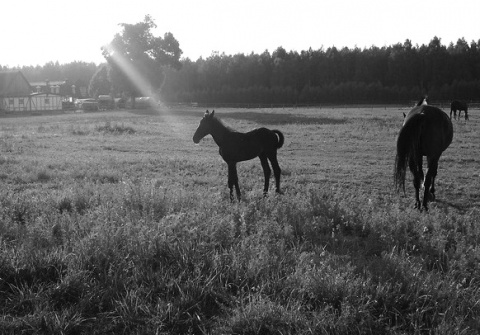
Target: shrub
[116, 129]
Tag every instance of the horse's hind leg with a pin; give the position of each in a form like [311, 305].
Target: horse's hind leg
[276, 170]
[432, 169]
[417, 172]
[266, 171]
[233, 180]
[430, 181]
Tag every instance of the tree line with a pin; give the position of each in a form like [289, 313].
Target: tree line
[389, 74]
[396, 73]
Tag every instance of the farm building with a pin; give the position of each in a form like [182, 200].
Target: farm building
[16, 95]
[15, 91]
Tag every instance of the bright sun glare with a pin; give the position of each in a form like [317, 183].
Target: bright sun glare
[178, 128]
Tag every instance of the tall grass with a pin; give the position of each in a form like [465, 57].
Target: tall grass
[135, 258]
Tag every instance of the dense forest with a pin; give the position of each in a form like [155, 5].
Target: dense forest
[388, 74]
[395, 73]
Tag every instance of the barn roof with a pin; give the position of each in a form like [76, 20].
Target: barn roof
[13, 83]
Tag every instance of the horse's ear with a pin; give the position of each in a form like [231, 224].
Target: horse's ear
[207, 112]
[213, 112]
[404, 116]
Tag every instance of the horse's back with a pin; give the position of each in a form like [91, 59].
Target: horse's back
[412, 114]
[264, 136]
[245, 146]
[435, 127]
[438, 127]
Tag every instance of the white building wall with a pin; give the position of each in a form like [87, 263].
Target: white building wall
[45, 102]
[15, 104]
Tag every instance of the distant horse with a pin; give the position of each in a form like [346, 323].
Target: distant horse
[426, 131]
[236, 147]
[458, 106]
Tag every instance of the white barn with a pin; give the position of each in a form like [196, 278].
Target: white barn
[16, 95]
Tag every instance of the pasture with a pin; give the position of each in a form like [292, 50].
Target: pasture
[116, 222]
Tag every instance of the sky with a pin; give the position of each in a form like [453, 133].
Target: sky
[41, 31]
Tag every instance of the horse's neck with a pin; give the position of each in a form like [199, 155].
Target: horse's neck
[220, 133]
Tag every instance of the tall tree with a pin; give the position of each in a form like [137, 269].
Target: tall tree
[99, 84]
[137, 59]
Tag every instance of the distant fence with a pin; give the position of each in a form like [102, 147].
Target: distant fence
[446, 104]
[407, 104]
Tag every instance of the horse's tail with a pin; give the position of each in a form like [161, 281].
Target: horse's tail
[408, 146]
[281, 138]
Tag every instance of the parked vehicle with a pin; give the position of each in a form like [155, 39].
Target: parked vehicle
[120, 103]
[140, 103]
[105, 102]
[87, 104]
[68, 105]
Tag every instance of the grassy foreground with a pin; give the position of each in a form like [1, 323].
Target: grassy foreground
[116, 223]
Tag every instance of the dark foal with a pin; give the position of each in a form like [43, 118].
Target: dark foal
[235, 147]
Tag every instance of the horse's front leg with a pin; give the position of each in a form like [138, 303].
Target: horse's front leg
[233, 180]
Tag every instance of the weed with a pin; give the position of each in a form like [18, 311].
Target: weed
[116, 129]
[43, 176]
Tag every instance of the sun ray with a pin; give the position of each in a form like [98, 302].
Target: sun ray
[179, 128]
[143, 86]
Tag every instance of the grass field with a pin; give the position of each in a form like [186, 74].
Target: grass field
[117, 223]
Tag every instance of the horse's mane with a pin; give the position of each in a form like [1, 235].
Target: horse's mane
[219, 123]
[423, 101]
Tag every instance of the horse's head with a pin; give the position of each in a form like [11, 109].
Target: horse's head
[423, 101]
[204, 128]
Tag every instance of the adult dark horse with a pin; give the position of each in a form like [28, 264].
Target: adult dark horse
[458, 106]
[236, 147]
[426, 131]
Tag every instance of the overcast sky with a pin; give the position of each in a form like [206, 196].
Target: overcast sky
[36, 32]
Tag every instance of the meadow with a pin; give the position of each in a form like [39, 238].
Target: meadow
[117, 223]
